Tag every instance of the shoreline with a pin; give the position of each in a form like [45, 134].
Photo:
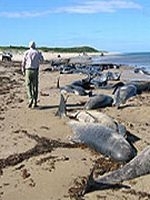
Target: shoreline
[54, 55]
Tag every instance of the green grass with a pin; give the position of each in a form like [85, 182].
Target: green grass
[81, 49]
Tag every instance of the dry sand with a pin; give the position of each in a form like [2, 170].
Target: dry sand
[36, 160]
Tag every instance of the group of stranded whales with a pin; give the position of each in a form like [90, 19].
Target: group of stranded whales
[108, 137]
[101, 132]
[75, 63]
[122, 91]
[96, 78]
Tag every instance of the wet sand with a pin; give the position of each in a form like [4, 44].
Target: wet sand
[37, 160]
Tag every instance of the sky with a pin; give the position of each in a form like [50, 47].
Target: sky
[108, 25]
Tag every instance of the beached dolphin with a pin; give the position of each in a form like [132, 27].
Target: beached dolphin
[138, 166]
[123, 93]
[99, 101]
[103, 139]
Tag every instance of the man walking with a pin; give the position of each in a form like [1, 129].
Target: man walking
[30, 68]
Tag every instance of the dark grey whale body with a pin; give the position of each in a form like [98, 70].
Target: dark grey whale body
[94, 116]
[78, 90]
[138, 166]
[142, 70]
[103, 139]
[99, 101]
[142, 86]
[123, 93]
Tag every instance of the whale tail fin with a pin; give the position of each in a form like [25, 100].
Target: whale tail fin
[93, 185]
[58, 82]
[61, 112]
[90, 93]
[116, 86]
[90, 184]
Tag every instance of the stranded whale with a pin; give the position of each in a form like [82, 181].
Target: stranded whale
[99, 101]
[138, 166]
[103, 139]
[123, 93]
[95, 116]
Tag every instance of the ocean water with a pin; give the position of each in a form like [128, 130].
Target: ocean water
[129, 59]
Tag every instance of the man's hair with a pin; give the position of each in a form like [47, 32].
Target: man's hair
[32, 44]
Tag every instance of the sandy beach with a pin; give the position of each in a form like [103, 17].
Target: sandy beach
[37, 161]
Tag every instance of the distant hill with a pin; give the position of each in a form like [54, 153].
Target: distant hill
[71, 49]
[54, 49]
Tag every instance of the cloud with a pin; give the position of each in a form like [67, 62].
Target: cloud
[86, 7]
[23, 14]
[96, 6]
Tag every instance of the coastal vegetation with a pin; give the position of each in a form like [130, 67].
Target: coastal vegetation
[53, 49]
